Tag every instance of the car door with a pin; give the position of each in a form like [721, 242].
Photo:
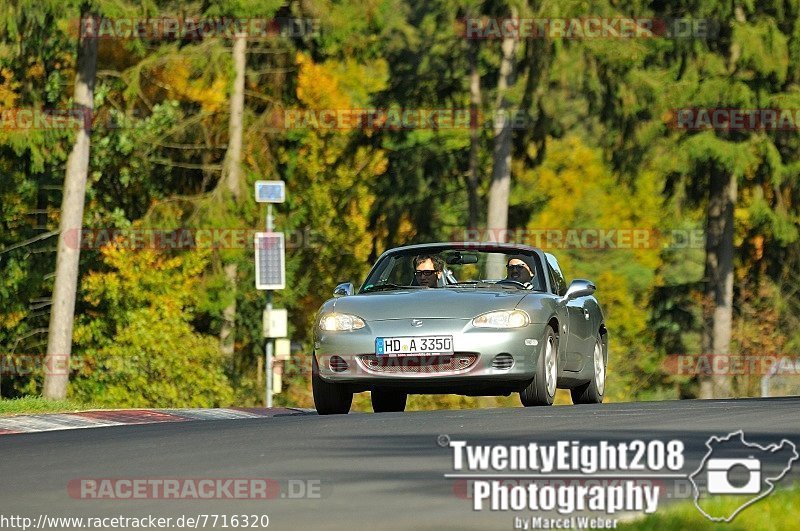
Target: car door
[580, 325]
[578, 321]
[557, 289]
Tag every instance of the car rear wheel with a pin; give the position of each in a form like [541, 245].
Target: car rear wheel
[386, 400]
[541, 391]
[329, 398]
[592, 392]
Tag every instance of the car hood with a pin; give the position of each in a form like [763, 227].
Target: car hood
[429, 303]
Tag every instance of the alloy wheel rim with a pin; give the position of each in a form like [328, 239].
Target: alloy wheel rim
[599, 369]
[550, 367]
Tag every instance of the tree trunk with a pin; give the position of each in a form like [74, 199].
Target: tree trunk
[232, 181]
[473, 177]
[227, 333]
[497, 219]
[719, 277]
[718, 301]
[62, 313]
[233, 157]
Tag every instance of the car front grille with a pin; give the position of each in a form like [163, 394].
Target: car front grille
[458, 362]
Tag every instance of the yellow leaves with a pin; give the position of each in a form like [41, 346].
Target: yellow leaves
[36, 71]
[339, 85]
[619, 305]
[571, 172]
[11, 319]
[585, 194]
[211, 94]
[318, 86]
[8, 96]
[145, 274]
[406, 230]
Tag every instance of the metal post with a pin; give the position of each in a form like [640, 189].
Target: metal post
[268, 347]
[765, 380]
[269, 217]
[268, 361]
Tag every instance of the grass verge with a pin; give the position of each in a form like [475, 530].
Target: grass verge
[779, 510]
[37, 404]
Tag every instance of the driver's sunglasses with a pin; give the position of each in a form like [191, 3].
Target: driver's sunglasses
[425, 272]
[516, 267]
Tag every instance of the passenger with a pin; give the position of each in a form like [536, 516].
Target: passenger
[521, 268]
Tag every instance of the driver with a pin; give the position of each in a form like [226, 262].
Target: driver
[428, 270]
[520, 268]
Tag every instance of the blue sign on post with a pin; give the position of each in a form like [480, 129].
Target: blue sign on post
[270, 191]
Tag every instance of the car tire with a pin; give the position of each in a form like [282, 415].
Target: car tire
[329, 398]
[541, 391]
[388, 401]
[592, 392]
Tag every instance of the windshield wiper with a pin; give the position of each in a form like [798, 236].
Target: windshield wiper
[484, 284]
[385, 287]
[470, 284]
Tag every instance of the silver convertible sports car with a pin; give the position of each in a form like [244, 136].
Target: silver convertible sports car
[475, 319]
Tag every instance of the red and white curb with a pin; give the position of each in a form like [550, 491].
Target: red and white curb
[120, 417]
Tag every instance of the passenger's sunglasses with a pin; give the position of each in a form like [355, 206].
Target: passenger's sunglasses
[425, 272]
[516, 268]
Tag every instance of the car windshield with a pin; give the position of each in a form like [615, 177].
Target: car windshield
[457, 268]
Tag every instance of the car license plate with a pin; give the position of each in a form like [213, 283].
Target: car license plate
[413, 346]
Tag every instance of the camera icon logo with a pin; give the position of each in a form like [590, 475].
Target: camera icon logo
[722, 476]
[735, 469]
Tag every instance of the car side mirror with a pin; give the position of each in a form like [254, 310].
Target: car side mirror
[579, 288]
[344, 289]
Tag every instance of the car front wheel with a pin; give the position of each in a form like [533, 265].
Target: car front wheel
[541, 391]
[329, 398]
[593, 391]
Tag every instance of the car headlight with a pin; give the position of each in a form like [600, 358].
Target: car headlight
[340, 322]
[502, 319]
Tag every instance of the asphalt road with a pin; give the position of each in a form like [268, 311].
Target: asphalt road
[375, 471]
